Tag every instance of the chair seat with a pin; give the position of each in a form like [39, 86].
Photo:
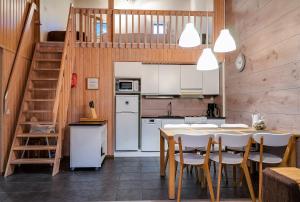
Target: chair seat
[190, 158]
[267, 158]
[240, 149]
[187, 149]
[227, 158]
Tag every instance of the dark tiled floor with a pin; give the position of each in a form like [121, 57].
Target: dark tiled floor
[118, 179]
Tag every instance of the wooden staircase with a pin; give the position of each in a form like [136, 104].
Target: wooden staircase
[37, 112]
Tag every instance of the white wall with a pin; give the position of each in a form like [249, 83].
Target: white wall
[54, 15]
[90, 3]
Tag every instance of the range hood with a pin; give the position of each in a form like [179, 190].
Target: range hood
[191, 93]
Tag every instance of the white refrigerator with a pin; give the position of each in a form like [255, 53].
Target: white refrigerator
[127, 122]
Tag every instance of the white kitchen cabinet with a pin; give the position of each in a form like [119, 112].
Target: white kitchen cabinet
[88, 145]
[171, 121]
[216, 121]
[128, 69]
[169, 79]
[211, 80]
[190, 78]
[149, 79]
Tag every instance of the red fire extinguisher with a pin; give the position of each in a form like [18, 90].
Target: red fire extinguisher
[74, 80]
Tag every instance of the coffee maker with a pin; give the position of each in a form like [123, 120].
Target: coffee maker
[212, 110]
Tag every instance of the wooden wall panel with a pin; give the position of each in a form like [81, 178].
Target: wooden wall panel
[268, 33]
[98, 62]
[12, 17]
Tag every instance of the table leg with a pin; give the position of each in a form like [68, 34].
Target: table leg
[162, 156]
[171, 169]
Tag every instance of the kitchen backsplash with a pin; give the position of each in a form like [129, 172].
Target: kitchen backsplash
[180, 106]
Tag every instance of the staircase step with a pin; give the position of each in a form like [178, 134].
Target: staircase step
[37, 111]
[42, 89]
[58, 50]
[33, 161]
[36, 122]
[37, 135]
[46, 69]
[44, 79]
[34, 148]
[47, 60]
[40, 100]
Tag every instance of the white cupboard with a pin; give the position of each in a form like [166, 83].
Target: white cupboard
[169, 79]
[128, 69]
[190, 78]
[149, 79]
[211, 82]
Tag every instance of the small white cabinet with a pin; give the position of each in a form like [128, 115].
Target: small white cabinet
[88, 145]
[128, 69]
[169, 79]
[149, 79]
[211, 82]
[190, 78]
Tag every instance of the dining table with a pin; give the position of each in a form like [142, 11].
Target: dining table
[167, 136]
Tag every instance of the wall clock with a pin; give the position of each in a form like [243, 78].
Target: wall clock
[240, 62]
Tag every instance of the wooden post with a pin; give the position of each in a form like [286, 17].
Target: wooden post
[110, 21]
[219, 21]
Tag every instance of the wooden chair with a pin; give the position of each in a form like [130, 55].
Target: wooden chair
[261, 157]
[234, 125]
[194, 159]
[223, 157]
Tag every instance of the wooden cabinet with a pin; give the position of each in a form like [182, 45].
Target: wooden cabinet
[169, 79]
[128, 69]
[211, 82]
[190, 78]
[149, 79]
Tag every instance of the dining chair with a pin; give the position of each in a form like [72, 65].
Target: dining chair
[176, 126]
[229, 158]
[194, 159]
[261, 157]
[204, 125]
[234, 125]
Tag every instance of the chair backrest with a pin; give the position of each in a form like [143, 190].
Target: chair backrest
[204, 126]
[236, 125]
[233, 140]
[272, 140]
[170, 126]
[193, 140]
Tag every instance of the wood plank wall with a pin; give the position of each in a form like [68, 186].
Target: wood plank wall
[98, 62]
[268, 32]
[12, 17]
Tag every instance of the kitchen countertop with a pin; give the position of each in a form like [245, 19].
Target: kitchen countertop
[89, 123]
[175, 117]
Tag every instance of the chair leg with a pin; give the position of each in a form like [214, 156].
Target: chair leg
[180, 183]
[226, 174]
[241, 177]
[209, 182]
[234, 175]
[219, 181]
[249, 182]
[176, 166]
[260, 183]
[215, 167]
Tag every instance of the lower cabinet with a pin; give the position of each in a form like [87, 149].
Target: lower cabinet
[88, 145]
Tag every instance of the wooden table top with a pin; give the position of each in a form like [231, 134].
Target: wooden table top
[169, 133]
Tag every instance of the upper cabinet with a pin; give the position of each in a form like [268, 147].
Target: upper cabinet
[149, 79]
[191, 78]
[128, 69]
[211, 82]
[169, 79]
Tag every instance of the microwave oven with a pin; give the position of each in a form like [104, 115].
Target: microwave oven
[127, 85]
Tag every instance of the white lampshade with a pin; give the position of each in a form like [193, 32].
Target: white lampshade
[207, 60]
[189, 37]
[225, 42]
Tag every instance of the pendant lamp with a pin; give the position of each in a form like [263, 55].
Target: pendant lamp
[189, 37]
[225, 42]
[207, 60]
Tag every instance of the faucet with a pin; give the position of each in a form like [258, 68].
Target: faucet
[170, 109]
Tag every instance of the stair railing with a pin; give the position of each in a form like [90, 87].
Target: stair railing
[22, 42]
[66, 67]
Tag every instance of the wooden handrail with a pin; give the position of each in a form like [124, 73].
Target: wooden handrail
[22, 39]
[66, 65]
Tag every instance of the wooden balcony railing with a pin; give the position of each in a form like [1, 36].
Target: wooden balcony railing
[138, 28]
